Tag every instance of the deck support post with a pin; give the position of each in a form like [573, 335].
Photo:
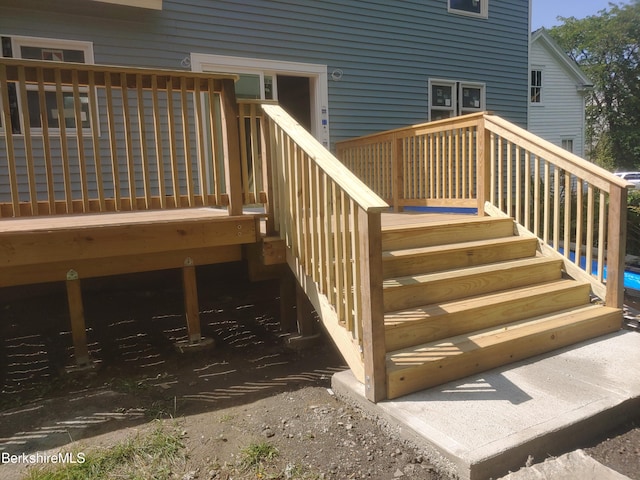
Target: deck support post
[191, 309]
[287, 302]
[304, 313]
[76, 314]
[195, 341]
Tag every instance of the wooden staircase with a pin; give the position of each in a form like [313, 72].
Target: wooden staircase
[468, 295]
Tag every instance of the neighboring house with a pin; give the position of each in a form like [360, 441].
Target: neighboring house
[343, 68]
[557, 89]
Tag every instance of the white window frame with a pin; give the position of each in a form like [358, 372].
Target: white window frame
[484, 10]
[564, 142]
[18, 41]
[316, 73]
[536, 68]
[482, 100]
[457, 92]
[453, 101]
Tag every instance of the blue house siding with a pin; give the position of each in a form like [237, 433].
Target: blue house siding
[387, 50]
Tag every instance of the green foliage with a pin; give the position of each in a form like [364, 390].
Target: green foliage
[256, 454]
[607, 47]
[633, 223]
[138, 458]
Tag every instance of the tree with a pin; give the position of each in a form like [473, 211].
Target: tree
[607, 48]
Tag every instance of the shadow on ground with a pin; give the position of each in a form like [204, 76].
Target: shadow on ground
[132, 324]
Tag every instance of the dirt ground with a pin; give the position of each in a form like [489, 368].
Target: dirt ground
[247, 390]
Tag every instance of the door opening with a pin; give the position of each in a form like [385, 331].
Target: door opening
[294, 95]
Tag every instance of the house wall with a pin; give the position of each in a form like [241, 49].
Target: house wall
[561, 113]
[387, 50]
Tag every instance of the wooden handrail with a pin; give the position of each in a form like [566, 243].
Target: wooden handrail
[94, 138]
[350, 183]
[590, 172]
[330, 221]
[574, 207]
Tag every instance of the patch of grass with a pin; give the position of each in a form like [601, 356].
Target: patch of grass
[255, 455]
[153, 455]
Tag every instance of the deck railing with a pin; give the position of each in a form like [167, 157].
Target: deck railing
[89, 138]
[576, 209]
[330, 222]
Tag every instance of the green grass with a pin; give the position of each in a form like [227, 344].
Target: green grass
[150, 456]
[255, 455]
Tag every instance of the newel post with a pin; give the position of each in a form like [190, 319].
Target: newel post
[397, 174]
[483, 159]
[616, 246]
[232, 159]
[373, 338]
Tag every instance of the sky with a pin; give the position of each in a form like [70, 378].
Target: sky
[544, 12]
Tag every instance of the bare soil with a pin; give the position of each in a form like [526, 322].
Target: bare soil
[248, 390]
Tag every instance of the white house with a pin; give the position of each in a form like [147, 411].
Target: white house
[557, 88]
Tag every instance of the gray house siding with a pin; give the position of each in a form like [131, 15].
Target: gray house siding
[387, 50]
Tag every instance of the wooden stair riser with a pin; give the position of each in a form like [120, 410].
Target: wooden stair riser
[409, 292]
[434, 259]
[477, 354]
[437, 322]
[425, 235]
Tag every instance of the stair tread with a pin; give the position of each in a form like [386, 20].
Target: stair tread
[424, 312]
[454, 247]
[505, 265]
[443, 223]
[462, 344]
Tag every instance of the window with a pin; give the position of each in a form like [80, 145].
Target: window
[476, 8]
[33, 48]
[449, 98]
[567, 144]
[536, 86]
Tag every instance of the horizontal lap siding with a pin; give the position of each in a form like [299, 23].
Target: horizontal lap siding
[561, 113]
[387, 50]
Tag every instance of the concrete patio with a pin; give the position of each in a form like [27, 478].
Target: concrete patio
[494, 423]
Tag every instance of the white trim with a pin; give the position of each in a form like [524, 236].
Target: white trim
[541, 69]
[150, 4]
[484, 10]
[317, 74]
[452, 107]
[17, 41]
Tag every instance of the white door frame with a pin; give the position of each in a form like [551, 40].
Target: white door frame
[316, 73]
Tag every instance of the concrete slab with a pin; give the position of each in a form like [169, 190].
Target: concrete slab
[571, 466]
[485, 426]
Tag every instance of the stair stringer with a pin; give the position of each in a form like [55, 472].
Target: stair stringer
[345, 342]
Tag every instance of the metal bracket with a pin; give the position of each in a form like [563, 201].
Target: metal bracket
[72, 275]
[188, 262]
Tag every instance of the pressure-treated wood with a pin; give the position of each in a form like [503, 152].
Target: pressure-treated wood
[137, 161]
[463, 229]
[427, 323]
[432, 364]
[438, 258]
[76, 315]
[190, 292]
[422, 289]
[429, 315]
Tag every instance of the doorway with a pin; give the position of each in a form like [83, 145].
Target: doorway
[294, 95]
